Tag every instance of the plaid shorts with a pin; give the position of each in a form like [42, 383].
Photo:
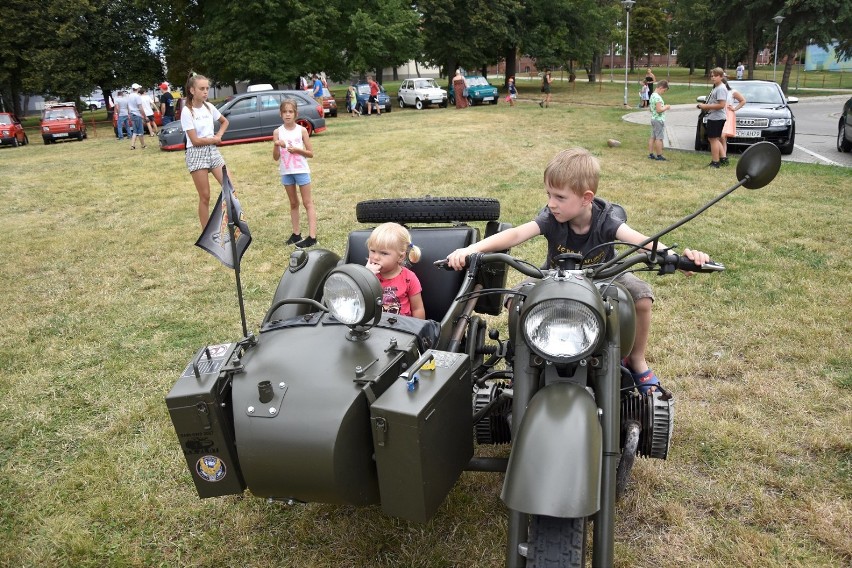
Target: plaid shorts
[203, 158]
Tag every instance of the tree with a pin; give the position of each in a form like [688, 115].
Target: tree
[16, 25]
[382, 34]
[466, 33]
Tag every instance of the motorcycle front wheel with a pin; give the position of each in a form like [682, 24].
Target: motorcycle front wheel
[556, 543]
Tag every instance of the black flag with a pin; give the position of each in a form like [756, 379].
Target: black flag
[216, 238]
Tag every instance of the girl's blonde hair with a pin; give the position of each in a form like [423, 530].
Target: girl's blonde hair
[394, 236]
[289, 103]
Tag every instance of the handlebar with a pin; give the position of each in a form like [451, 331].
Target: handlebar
[667, 263]
[474, 260]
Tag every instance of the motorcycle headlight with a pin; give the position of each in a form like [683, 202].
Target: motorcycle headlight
[353, 295]
[780, 122]
[562, 330]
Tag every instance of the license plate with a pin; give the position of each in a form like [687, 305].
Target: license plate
[436, 101]
[487, 99]
[61, 135]
[748, 133]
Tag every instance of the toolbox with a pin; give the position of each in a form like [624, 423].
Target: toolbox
[203, 426]
[423, 434]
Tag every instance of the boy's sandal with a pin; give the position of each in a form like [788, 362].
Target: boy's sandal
[645, 381]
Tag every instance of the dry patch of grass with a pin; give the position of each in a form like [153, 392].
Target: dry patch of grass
[106, 298]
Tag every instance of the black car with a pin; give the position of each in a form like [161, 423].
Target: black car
[844, 128]
[253, 117]
[765, 116]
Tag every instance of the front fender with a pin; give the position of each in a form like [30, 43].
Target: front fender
[555, 465]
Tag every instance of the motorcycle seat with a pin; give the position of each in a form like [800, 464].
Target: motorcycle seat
[440, 287]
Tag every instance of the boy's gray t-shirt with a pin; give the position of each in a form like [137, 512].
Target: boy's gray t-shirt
[561, 238]
[717, 95]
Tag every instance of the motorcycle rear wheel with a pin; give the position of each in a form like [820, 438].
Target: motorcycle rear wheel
[556, 543]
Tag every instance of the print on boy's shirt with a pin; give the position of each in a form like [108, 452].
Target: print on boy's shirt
[390, 301]
[598, 257]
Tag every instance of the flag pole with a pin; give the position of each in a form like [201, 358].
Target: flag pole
[231, 231]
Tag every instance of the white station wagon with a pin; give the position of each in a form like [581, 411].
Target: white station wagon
[421, 93]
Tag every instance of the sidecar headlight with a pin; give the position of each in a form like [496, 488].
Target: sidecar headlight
[562, 330]
[353, 295]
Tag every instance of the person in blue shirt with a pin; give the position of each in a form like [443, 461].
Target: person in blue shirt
[317, 89]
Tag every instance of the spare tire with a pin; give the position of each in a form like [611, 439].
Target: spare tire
[428, 210]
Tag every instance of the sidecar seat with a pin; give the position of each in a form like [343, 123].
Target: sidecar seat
[440, 287]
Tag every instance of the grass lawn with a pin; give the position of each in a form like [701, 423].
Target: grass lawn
[107, 299]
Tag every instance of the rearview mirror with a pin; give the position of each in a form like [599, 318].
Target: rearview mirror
[760, 164]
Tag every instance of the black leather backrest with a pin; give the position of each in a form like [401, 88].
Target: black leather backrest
[440, 286]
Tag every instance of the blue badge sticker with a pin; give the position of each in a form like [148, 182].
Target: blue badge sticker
[210, 468]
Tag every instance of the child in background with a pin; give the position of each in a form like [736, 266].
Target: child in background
[352, 101]
[513, 92]
[577, 221]
[390, 246]
[292, 147]
[644, 94]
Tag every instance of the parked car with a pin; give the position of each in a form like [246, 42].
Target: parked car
[253, 117]
[384, 101]
[92, 103]
[765, 116]
[11, 131]
[421, 93]
[844, 128]
[479, 91]
[60, 121]
[329, 103]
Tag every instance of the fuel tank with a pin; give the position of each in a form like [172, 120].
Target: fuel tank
[301, 409]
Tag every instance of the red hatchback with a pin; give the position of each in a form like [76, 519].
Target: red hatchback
[11, 131]
[61, 121]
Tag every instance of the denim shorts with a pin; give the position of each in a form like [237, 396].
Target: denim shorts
[296, 179]
[136, 121]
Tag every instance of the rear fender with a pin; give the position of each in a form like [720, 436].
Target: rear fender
[555, 465]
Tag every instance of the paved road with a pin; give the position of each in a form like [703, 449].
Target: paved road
[816, 129]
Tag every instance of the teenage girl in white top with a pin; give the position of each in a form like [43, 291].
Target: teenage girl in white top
[202, 155]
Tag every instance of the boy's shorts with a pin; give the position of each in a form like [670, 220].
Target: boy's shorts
[714, 128]
[296, 179]
[637, 287]
[658, 128]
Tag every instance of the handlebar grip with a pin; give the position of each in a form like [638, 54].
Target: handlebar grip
[442, 263]
[684, 263]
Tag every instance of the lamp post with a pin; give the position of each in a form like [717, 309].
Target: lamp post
[777, 20]
[628, 4]
[668, 56]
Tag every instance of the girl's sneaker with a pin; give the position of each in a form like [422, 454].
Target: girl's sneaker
[294, 238]
[307, 242]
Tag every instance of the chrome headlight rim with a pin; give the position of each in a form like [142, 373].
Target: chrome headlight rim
[579, 325]
[353, 296]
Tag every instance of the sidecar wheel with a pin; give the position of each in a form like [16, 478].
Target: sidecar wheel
[556, 543]
[428, 210]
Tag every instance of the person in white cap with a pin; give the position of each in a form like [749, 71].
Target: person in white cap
[137, 119]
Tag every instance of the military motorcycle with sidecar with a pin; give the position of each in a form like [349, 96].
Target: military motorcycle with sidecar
[336, 402]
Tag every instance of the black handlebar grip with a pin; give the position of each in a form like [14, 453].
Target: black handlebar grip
[684, 263]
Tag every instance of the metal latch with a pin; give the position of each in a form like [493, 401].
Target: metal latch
[381, 426]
